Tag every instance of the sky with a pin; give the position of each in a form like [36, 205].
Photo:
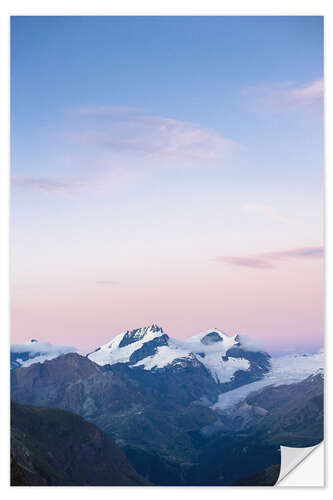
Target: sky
[167, 170]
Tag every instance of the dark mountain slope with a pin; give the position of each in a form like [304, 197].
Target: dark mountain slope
[250, 434]
[169, 438]
[289, 415]
[295, 412]
[141, 417]
[52, 447]
[266, 477]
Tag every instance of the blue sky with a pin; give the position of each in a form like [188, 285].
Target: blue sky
[190, 68]
[168, 140]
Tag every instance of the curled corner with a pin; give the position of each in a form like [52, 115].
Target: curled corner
[291, 458]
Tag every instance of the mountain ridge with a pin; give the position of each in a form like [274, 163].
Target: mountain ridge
[52, 447]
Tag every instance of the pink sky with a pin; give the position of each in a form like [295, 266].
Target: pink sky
[178, 181]
[282, 307]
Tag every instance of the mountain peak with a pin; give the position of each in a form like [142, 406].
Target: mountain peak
[149, 348]
[121, 347]
[137, 334]
[211, 337]
[155, 327]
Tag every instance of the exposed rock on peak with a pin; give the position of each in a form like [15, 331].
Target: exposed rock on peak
[211, 338]
[132, 336]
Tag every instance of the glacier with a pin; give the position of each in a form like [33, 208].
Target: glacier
[285, 370]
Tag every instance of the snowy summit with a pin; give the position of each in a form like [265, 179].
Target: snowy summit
[150, 348]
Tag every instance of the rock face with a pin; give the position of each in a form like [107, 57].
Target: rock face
[135, 335]
[75, 383]
[51, 447]
[295, 412]
[71, 380]
[211, 338]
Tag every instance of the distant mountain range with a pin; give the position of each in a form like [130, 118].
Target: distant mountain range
[229, 361]
[35, 352]
[182, 411]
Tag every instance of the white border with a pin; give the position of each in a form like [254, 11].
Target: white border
[142, 7]
[171, 7]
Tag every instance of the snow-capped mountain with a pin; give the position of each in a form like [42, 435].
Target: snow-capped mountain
[223, 363]
[150, 348]
[122, 347]
[35, 352]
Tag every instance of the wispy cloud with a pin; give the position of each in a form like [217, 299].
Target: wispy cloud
[305, 252]
[49, 186]
[308, 93]
[264, 260]
[286, 96]
[42, 347]
[254, 262]
[112, 135]
[106, 110]
[134, 132]
[105, 179]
